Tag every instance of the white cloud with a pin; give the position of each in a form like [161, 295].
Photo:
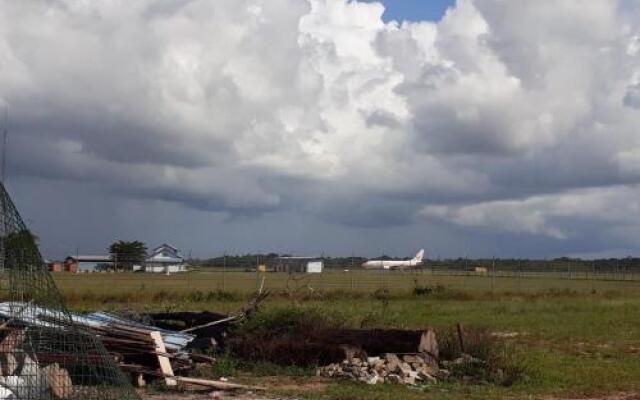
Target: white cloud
[248, 106]
[548, 214]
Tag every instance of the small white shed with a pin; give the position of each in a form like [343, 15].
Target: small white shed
[315, 267]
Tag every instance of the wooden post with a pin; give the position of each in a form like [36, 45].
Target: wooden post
[429, 347]
[461, 337]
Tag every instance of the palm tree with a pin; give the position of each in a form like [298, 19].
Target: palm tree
[126, 254]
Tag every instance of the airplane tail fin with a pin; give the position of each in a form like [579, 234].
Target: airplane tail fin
[420, 255]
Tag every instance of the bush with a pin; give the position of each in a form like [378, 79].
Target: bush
[426, 290]
[285, 321]
[486, 358]
[282, 336]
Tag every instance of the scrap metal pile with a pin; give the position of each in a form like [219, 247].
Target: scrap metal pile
[143, 350]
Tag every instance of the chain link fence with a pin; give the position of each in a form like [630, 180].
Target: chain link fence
[245, 274]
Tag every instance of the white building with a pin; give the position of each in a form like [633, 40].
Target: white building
[165, 259]
[309, 265]
[315, 267]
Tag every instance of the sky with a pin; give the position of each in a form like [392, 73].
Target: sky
[415, 10]
[473, 128]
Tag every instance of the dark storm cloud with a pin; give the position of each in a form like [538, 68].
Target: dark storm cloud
[503, 118]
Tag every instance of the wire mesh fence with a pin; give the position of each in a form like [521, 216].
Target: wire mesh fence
[211, 283]
[43, 354]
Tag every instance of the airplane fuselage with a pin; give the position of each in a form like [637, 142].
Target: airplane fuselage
[390, 264]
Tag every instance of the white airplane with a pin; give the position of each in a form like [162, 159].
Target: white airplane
[389, 264]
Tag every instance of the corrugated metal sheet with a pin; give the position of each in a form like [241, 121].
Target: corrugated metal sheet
[39, 316]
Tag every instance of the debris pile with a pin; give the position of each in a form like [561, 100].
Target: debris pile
[142, 350]
[24, 378]
[407, 369]
[415, 368]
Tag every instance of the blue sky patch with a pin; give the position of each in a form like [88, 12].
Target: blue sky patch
[415, 10]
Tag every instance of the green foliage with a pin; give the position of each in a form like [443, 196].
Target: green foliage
[287, 321]
[427, 290]
[225, 365]
[21, 244]
[126, 254]
[499, 364]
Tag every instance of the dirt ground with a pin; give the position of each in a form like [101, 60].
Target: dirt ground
[614, 396]
[253, 396]
[202, 396]
[279, 384]
[212, 396]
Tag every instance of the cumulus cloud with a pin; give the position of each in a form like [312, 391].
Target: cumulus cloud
[553, 215]
[486, 119]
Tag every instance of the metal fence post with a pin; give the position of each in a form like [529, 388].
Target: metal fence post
[224, 272]
[493, 274]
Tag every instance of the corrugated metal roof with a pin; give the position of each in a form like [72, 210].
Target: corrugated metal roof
[92, 258]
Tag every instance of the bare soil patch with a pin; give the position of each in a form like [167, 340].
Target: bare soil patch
[612, 396]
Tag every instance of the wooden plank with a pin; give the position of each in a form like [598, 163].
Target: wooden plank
[10, 364]
[216, 384]
[429, 348]
[139, 369]
[165, 364]
[59, 381]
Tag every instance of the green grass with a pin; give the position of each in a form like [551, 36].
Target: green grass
[196, 289]
[576, 337]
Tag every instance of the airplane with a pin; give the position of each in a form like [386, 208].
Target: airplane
[389, 264]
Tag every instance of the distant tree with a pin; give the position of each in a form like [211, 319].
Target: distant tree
[21, 244]
[126, 254]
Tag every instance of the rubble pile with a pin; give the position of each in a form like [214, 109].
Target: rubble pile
[407, 369]
[411, 369]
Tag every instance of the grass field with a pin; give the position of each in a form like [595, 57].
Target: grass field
[118, 288]
[575, 337]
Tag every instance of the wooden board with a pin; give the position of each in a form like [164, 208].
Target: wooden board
[59, 381]
[163, 360]
[216, 384]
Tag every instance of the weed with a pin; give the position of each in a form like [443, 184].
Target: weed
[494, 361]
[225, 365]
